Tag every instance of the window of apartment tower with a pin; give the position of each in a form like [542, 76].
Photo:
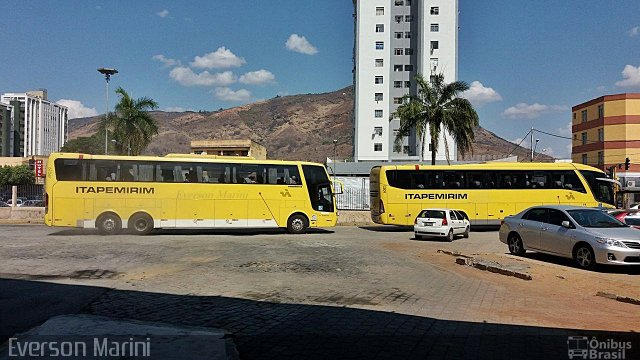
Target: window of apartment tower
[398, 51]
[407, 34]
[397, 84]
[574, 116]
[380, 10]
[584, 138]
[397, 67]
[435, 10]
[408, 68]
[600, 157]
[408, 2]
[377, 130]
[377, 147]
[408, 51]
[379, 80]
[584, 116]
[405, 149]
[600, 135]
[584, 158]
[379, 97]
[408, 18]
[398, 18]
[379, 62]
[407, 84]
[434, 45]
[600, 111]
[397, 100]
[378, 113]
[398, 35]
[379, 28]
[379, 45]
[399, 2]
[435, 27]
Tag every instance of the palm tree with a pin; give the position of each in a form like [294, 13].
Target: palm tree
[132, 126]
[437, 107]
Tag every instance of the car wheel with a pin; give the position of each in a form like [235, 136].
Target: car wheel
[515, 245]
[297, 224]
[141, 224]
[466, 233]
[450, 236]
[109, 224]
[584, 257]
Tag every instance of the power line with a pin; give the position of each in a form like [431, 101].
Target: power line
[517, 146]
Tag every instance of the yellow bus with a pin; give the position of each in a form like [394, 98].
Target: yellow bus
[487, 192]
[142, 193]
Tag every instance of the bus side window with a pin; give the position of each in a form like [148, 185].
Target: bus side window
[165, 173]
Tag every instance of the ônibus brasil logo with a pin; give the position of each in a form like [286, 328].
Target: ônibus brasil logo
[581, 347]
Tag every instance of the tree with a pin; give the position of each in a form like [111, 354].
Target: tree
[132, 126]
[17, 175]
[437, 107]
[93, 144]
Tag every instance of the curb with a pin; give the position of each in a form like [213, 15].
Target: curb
[492, 267]
[624, 299]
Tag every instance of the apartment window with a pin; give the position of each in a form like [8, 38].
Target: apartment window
[397, 100]
[397, 67]
[408, 2]
[408, 51]
[574, 116]
[398, 18]
[405, 149]
[600, 111]
[408, 68]
[397, 84]
[407, 84]
[378, 113]
[398, 35]
[435, 10]
[601, 135]
[584, 116]
[399, 2]
[435, 27]
[379, 97]
[380, 10]
[379, 45]
[398, 51]
[408, 18]
[434, 45]
[407, 34]
[377, 130]
[584, 158]
[379, 28]
[600, 158]
[378, 80]
[584, 138]
[377, 147]
[379, 62]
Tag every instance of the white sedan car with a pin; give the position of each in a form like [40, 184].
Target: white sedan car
[441, 223]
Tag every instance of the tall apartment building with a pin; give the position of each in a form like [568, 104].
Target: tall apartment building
[394, 41]
[39, 127]
[6, 133]
[606, 131]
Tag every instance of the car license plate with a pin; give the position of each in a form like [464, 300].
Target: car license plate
[428, 224]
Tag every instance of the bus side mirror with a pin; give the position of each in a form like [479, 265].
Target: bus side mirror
[337, 184]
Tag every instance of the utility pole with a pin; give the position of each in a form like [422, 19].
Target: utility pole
[107, 72]
[531, 143]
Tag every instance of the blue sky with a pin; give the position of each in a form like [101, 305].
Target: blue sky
[528, 61]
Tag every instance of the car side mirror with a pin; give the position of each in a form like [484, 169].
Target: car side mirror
[566, 224]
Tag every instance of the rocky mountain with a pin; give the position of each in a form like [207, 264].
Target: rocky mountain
[300, 127]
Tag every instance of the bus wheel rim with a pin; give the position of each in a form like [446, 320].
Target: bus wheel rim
[141, 225]
[109, 224]
[297, 224]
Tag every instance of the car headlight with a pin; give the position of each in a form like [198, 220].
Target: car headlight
[610, 242]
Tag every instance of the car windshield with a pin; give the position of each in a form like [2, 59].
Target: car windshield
[437, 214]
[595, 219]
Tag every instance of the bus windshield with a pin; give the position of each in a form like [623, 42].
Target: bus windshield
[602, 190]
[319, 188]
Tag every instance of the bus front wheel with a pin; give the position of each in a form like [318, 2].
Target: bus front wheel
[109, 224]
[297, 224]
[140, 224]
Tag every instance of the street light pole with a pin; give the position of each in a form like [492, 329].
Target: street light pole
[335, 152]
[107, 72]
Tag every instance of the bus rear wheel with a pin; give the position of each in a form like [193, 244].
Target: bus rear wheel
[140, 224]
[297, 224]
[109, 224]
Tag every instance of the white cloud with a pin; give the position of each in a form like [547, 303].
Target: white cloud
[479, 95]
[565, 131]
[167, 62]
[77, 109]
[301, 45]
[634, 31]
[531, 111]
[176, 109]
[185, 76]
[219, 59]
[163, 14]
[226, 94]
[260, 77]
[631, 76]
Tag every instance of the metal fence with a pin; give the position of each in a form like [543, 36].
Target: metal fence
[355, 195]
[27, 195]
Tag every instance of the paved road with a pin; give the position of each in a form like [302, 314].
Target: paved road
[361, 292]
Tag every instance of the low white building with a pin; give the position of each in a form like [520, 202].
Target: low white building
[39, 126]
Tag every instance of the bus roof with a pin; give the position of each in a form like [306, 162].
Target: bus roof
[495, 166]
[176, 157]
